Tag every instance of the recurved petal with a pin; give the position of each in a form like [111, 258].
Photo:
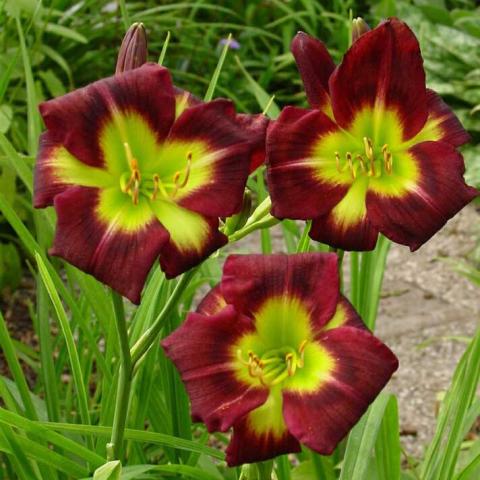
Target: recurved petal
[202, 350]
[56, 169]
[193, 237]
[261, 434]
[442, 124]
[296, 187]
[347, 225]
[213, 302]
[75, 120]
[184, 100]
[207, 138]
[255, 127]
[383, 70]
[425, 205]
[114, 250]
[345, 316]
[269, 285]
[315, 66]
[361, 366]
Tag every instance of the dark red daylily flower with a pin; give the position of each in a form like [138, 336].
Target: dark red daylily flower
[277, 353]
[133, 179]
[377, 152]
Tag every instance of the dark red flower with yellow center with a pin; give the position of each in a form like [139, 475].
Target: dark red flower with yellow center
[376, 153]
[277, 353]
[133, 179]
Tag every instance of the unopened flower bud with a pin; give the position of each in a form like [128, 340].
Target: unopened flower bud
[236, 222]
[133, 52]
[359, 27]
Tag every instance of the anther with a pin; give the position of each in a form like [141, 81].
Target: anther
[156, 183]
[337, 161]
[291, 365]
[133, 184]
[387, 159]
[176, 177]
[350, 165]
[241, 359]
[367, 143]
[361, 161]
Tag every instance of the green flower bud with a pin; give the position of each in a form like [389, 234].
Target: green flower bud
[359, 27]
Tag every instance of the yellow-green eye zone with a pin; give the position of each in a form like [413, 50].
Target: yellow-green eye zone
[268, 418]
[370, 153]
[282, 352]
[145, 168]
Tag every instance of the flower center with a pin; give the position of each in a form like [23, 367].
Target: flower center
[274, 366]
[366, 162]
[133, 184]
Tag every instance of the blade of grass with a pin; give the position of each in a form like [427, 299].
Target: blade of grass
[33, 119]
[16, 369]
[361, 441]
[387, 448]
[36, 428]
[442, 453]
[137, 436]
[82, 398]
[164, 49]
[17, 162]
[218, 69]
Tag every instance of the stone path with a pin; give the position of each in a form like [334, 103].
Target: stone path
[427, 314]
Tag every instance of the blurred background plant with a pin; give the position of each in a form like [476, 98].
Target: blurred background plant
[48, 48]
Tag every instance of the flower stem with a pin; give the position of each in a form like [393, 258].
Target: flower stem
[151, 334]
[114, 448]
[304, 242]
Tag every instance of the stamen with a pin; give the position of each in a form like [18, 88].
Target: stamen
[387, 159]
[133, 185]
[367, 143]
[350, 165]
[291, 365]
[176, 177]
[361, 161]
[156, 182]
[301, 351]
[241, 359]
[337, 161]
